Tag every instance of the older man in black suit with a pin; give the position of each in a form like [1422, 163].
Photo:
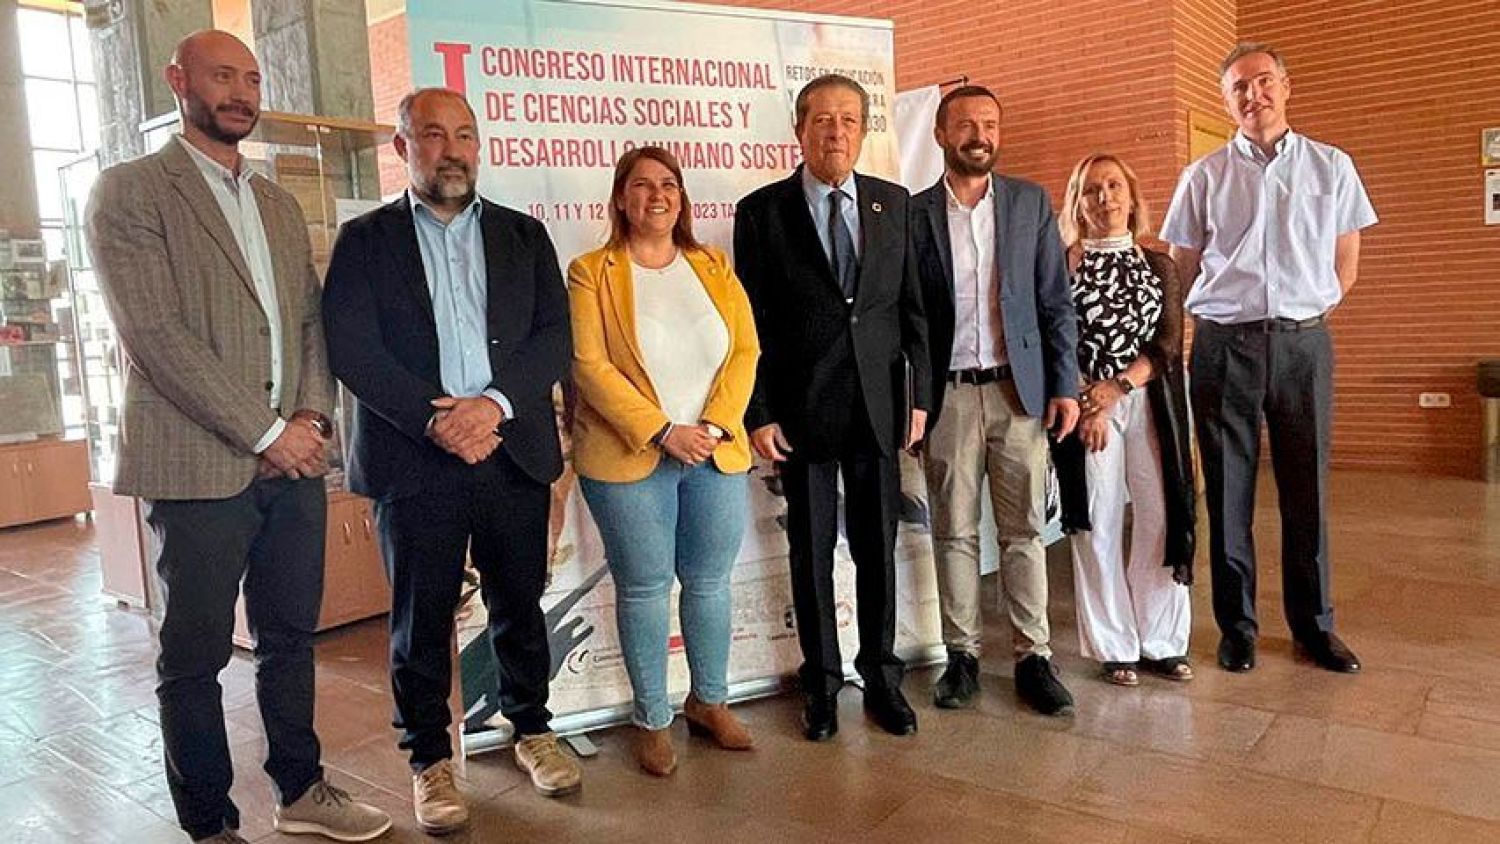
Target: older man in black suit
[826, 260]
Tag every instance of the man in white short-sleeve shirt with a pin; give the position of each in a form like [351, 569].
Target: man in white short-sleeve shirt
[1268, 228]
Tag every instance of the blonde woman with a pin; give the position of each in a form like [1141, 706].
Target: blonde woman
[1132, 441]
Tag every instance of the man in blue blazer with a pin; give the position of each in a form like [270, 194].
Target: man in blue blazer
[1004, 373]
[447, 318]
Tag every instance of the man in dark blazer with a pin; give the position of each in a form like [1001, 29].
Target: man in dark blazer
[447, 318]
[208, 275]
[1005, 371]
[826, 259]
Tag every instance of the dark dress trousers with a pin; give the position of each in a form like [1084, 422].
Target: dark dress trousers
[834, 376]
[432, 507]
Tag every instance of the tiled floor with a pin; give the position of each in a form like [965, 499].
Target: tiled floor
[1407, 751]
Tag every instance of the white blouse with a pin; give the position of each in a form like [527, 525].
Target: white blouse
[683, 339]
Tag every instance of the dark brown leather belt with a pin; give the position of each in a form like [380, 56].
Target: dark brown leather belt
[988, 375]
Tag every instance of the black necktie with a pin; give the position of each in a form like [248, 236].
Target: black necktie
[845, 263]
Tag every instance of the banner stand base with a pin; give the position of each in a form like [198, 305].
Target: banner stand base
[577, 723]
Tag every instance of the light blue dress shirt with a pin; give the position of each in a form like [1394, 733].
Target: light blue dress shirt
[818, 196]
[458, 279]
[1267, 228]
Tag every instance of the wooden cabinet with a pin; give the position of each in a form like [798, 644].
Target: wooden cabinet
[354, 580]
[45, 479]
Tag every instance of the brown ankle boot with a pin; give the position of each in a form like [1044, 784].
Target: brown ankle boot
[653, 750]
[716, 722]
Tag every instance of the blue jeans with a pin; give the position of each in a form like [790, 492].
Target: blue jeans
[683, 520]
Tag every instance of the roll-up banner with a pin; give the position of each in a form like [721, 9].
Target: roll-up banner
[561, 89]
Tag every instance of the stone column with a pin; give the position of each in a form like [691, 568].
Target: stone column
[315, 57]
[132, 41]
[18, 208]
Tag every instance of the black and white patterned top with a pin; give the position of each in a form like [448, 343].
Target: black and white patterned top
[1119, 304]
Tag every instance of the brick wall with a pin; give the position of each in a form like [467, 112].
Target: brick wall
[390, 79]
[1405, 88]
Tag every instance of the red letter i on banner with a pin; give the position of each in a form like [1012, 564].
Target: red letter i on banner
[453, 64]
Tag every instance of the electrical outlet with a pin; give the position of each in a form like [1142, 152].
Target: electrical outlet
[1434, 400]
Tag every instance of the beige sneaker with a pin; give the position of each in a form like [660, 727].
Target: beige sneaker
[553, 771]
[330, 812]
[439, 805]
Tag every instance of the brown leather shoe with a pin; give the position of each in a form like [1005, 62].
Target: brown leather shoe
[653, 750]
[439, 805]
[717, 723]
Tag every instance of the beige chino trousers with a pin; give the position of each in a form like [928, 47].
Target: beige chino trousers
[984, 435]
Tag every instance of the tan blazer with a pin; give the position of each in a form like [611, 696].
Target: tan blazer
[196, 339]
[618, 410]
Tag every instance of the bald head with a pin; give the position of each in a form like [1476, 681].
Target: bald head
[212, 45]
[217, 83]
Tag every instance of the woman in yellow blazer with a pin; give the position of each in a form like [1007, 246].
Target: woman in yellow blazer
[664, 354]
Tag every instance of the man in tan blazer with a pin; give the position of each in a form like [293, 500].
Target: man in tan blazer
[206, 268]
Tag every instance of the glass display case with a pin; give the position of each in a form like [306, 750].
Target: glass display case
[327, 163]
[37, 367]
[100, 388]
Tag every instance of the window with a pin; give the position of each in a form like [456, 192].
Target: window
[58, 74]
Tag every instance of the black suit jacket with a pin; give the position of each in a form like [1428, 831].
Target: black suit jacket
[1036, 300]
[819, 355]
[383, 344]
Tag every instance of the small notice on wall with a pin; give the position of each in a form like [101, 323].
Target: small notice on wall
[1492, 197]
[1489, 148]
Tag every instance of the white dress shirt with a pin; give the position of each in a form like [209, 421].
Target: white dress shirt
[978, 332]
[236, 200]
[682, 336]
[1266, 227]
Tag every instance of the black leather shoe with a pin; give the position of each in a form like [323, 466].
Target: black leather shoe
[889, 709]
[1237, 655]
[959, 685]
[1330, 652]
[820, 717]
[1038, 687]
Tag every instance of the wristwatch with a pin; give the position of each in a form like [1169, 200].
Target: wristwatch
[1124, 384]
[325, 427]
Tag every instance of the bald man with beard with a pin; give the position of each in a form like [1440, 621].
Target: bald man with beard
[206, 269]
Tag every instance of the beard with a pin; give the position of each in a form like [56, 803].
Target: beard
[206, 119]
[443, 186]
[958, 160]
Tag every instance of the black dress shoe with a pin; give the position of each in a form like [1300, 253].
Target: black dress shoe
[889, 709]
[820, 717]
[959, 685]
[1330, 652]
[1237, 655]
[1038, 687]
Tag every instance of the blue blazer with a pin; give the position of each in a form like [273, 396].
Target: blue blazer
[1036, 301]
[383, 344]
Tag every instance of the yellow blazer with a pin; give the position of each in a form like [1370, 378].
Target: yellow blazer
[618, 411]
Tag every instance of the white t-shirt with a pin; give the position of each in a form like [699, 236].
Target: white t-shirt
[683, 338]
